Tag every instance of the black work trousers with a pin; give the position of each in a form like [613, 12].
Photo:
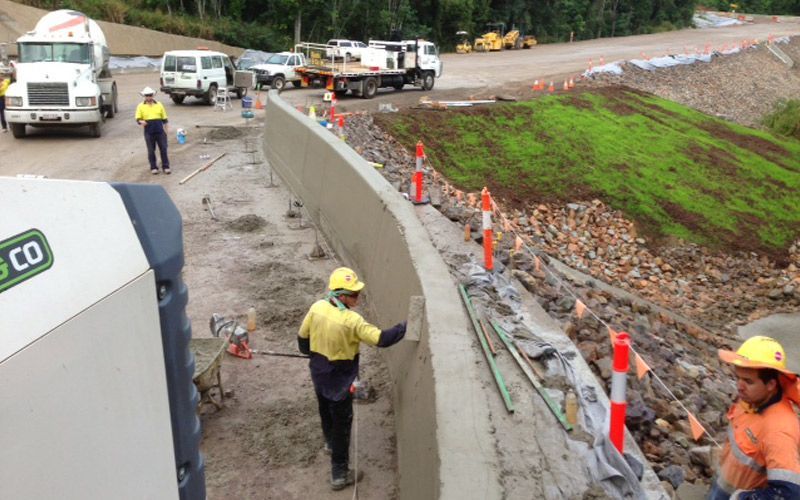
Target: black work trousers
[3, 113]
[152, 140]
[337, 419]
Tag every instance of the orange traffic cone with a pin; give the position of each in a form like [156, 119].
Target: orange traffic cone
[551, 88]
[566, 85]
[259, 104]
[535, 85]
[571, 83]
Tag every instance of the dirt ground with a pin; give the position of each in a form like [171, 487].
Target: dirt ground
[266, 442]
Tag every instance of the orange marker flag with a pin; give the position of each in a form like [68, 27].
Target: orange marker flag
[518, 244]
[612, 334]
[641, 367]
[580, 308]
[697, 428]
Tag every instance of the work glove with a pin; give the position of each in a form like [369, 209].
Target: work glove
[392, 335]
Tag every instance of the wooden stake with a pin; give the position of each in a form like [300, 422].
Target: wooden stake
[204, 167]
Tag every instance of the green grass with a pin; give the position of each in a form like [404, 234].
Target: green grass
[675, 171]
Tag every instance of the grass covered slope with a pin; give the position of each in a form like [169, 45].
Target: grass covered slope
[673, 170]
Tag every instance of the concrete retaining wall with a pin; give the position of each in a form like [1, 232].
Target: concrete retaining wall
[445, 449]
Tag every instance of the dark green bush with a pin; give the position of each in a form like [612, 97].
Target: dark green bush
[785, 118]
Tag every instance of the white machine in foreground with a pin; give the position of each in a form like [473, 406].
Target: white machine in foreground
[62, 75]
[96, 398]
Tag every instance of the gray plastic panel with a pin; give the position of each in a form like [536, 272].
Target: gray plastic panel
[159, 227]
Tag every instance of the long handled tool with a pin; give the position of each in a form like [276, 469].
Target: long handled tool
[512, 348]
[284, 354]
[498, 377]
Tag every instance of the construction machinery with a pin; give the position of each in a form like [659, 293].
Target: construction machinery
[97, 399]
[464, 46]
[492, 40]
[515, 39]
[512, 40]
[63, 78]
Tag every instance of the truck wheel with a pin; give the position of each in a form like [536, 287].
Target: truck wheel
[278, 83]
[398, 86]
[427, 80]
[94, 130]
[111, 108]
[297, 84]
[211, 95]
[370, 88]
[116, 99]
[340, 93]
[17, 130]
[177, 99]
[348, 58]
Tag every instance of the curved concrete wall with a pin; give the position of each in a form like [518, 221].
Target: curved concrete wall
[444, 445]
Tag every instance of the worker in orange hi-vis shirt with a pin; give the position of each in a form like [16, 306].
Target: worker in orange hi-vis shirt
[761, 457]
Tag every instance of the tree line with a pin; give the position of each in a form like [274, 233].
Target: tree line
[276, 24]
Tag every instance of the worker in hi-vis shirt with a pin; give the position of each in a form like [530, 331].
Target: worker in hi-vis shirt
[331, 333]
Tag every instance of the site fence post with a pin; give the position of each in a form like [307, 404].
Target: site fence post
[618, 387]
[488, 237]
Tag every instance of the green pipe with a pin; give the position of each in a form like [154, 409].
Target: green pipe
[510, 345]
[498, 378]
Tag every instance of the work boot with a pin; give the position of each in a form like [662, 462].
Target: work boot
[342, 481]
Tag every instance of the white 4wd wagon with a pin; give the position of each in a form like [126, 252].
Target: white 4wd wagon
[198, 73]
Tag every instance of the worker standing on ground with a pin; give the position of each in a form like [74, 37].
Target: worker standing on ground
[5, 81]
[761, 458]
[331, 333]
[152, 117]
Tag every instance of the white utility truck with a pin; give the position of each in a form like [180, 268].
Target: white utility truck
[382, 64]
[96, 399]
[62, 76]
[279, 70]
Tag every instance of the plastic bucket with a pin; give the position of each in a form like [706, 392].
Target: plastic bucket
[181, 135]
[247, 102]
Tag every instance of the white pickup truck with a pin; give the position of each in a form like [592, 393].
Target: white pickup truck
[279, 69]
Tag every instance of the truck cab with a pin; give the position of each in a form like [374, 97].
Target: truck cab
[63, 78]
[279, 69]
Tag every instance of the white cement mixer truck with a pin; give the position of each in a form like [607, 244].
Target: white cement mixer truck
[62, 76]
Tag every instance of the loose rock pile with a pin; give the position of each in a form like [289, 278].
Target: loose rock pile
[726, 87]
[714, 290]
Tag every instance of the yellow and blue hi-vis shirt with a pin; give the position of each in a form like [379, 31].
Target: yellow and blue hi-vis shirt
[154, 114]
[334, 335]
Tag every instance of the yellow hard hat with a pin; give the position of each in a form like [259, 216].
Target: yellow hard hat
[345, 278]
[758, 352]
